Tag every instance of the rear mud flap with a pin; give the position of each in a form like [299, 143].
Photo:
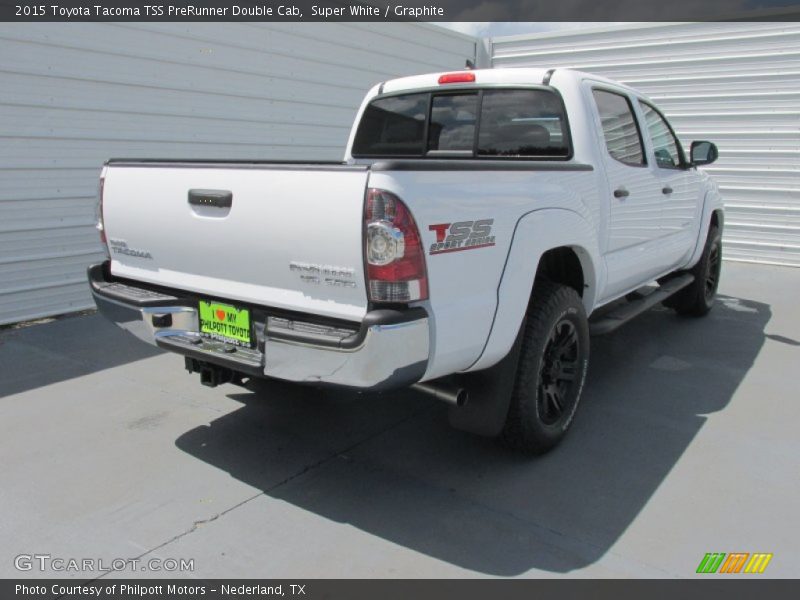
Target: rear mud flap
[489, 395]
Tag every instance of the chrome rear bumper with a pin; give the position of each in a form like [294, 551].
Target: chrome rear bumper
[387, 350]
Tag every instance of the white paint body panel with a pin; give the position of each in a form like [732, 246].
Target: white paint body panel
[464, 285]
[477, 297]
[648, 233]
[244, 253]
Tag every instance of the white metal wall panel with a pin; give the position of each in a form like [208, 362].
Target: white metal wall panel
[737, 84]
[75, 94]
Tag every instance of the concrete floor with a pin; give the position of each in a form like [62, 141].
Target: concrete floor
[686, 442]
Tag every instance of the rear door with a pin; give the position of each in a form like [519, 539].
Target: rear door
[634, 202]
[285, 236]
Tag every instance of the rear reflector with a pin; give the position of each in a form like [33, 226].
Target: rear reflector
[463, 77]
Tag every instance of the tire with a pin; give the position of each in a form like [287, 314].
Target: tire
[697, 299]
[552, 367]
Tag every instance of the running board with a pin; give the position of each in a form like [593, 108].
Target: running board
[619, 316]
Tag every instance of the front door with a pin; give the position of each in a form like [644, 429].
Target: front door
[680, 188]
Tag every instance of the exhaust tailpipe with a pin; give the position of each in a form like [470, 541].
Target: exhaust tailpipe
[451, 394]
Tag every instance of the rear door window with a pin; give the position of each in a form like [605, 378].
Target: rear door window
[620, 128]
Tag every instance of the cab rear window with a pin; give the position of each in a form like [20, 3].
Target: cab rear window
[489, 123]
[393, 127]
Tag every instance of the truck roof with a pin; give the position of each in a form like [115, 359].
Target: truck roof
[507, 76]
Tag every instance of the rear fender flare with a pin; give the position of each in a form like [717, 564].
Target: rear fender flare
[537, 232]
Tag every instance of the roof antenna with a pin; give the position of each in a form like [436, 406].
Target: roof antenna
[470, 65]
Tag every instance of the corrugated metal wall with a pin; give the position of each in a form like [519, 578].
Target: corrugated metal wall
[737, 84]
[75, 94]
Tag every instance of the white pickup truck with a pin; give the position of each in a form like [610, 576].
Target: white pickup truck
[481, 225]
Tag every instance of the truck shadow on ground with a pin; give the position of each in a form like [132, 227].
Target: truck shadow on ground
[394, 469]
[63, 349]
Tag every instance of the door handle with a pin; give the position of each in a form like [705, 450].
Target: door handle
[621, 193]
[217, 198]
[666, 190]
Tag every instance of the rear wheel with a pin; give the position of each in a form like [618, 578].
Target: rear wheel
[697, 299]
[552, 367]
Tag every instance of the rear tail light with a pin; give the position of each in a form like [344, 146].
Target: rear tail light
[393, 253]
[100, 224]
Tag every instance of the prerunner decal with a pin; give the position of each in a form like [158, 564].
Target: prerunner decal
[464, 235]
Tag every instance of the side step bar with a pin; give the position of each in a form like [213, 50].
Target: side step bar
[621, 315]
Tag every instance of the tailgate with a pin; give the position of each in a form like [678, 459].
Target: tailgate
[285, 236]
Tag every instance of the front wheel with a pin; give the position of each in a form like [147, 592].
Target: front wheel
[551, 370]
[697, 298]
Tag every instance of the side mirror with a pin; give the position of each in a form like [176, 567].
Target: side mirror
[704, 153]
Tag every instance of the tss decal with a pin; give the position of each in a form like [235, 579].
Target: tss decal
[464, 235]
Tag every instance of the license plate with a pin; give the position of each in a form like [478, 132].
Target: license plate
[225, 323]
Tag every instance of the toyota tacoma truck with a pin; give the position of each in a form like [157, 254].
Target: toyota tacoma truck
[481, 226]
